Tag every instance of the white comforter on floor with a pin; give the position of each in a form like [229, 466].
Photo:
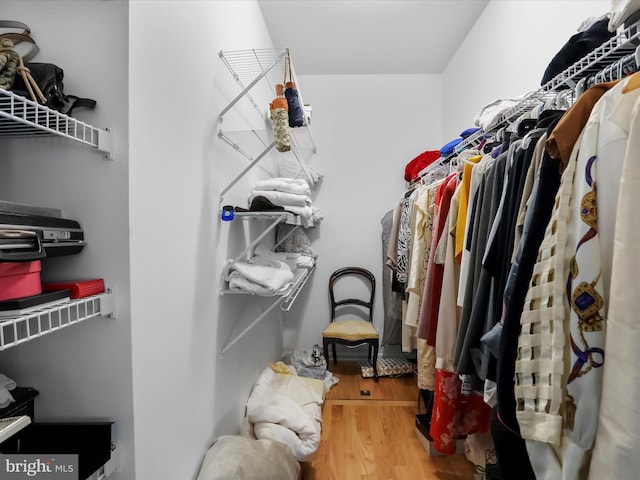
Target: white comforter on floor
[284, 408]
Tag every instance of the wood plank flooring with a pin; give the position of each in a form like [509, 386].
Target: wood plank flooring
[373, 437]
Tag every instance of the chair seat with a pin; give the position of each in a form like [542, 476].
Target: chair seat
[351, 330]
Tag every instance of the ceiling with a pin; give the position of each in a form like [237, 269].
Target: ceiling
[338, 37]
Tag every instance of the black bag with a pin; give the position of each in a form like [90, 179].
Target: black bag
[49, 78]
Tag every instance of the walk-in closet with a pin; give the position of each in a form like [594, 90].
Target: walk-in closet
[319, 239]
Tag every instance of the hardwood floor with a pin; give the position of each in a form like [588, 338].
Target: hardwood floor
[373, 437]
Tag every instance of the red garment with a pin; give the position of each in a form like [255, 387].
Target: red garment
[455, 414]
[428, 321]
[415, 166]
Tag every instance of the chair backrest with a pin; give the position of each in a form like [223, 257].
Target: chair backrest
[362, 273]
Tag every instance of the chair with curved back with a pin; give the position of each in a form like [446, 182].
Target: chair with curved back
[352, 332]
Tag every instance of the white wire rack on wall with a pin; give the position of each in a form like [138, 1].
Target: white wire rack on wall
[257, 72]
[604, 63]
[23, 328]
[20, 117]
[285, 301]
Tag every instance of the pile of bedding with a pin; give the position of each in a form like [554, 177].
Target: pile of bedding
[286, 409]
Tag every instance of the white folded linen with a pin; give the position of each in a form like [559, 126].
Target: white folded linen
[288, 185]
[259, 279]
[305, 213]
[298, 260]
[281, 198]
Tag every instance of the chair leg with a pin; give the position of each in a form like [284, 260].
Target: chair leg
[325, 346]
[335, 358]
[375, 361]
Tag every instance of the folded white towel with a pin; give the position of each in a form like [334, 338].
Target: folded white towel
[281, 198]
[297, 260]
[305, 213]
[268, 279]
[237, 283]
[288, 185]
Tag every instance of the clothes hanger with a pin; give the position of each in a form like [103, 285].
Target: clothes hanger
[634, 80]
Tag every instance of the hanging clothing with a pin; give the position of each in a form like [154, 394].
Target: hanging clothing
[461, 222]
[421, 242]
[564, 136]
[391, 301]
[454, 414]
[511, 451]
[579, 275]
[433, 284]
[449, 312]
[404, 239]
[430, 293]
[618, 432]
[478, 288]
[407, 224]
[477, 174]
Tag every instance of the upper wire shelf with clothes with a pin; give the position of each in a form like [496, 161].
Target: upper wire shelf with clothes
[257, 72]
[48, 319]
[472, 140]
[21, 117]
[610, 61]
[617, 49]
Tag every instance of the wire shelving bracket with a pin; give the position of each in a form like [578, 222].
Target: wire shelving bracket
[20, 117]
[21, 329]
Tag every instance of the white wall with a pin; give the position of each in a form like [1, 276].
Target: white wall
[367, 127]
[83, 371]
[506, 52]
[184, 393]
[157, 203]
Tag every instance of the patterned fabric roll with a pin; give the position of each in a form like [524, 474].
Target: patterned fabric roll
[280, 123]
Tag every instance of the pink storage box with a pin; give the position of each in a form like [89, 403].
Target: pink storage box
[19, 279]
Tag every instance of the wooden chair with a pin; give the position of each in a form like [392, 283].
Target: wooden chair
[352, 332]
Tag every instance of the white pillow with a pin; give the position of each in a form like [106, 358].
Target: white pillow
[234, 457]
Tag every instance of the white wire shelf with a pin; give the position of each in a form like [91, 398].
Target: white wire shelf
[257, 72]
[618, 48]
[623, 43]
[300, 277]
[275, 218]
[254, 145]
[285, 301]
[20, 117]
[20, 329]
[287, 217]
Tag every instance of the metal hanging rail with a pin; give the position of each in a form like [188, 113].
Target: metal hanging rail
[619, 48]
[22, 117]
